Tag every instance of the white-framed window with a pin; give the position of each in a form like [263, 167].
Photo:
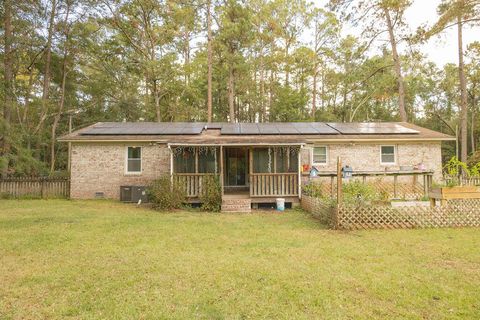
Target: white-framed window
[134, 160]
[320, 155]
[388, 155]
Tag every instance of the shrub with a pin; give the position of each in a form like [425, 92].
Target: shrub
[211, 195]
[165, 195]
[356, 192]
[313, 190]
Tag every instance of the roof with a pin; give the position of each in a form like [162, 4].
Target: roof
[252, 133]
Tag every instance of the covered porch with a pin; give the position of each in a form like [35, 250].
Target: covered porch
[260, 173]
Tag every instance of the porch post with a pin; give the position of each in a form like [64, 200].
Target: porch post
[250, 169]
[299, 172]
[221, 169]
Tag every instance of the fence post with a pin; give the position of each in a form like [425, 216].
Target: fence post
[339, 181]
[42, 181]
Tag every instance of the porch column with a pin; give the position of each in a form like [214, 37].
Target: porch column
[250, 169]
[221, 169]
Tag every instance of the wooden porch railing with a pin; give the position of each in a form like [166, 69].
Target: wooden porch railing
[273, 184]
[191, 182]
[463, 181]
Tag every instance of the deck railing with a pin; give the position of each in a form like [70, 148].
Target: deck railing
[463, 181]
[273, 184]
[191, 182]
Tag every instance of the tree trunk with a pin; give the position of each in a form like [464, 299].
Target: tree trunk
[262, 88]
[156, 97]
[46, 73]
[463, 95]
[8, 79]
[8, 61]
[472, 131]
[314, 91]
[187, 57]
[398, 69]
[209, 62]
[56, 120]
[231, 94]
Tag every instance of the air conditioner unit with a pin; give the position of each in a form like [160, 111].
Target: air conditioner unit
[133, 194]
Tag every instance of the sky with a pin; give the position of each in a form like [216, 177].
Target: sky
[440, 49]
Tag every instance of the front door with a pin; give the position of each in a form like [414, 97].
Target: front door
[236, 167]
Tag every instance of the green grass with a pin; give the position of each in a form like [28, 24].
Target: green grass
[99, 259]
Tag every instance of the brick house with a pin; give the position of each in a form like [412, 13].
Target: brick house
[258, 162]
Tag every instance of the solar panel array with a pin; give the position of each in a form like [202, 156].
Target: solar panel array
[273, 128]
[145, 128]
[371, 128]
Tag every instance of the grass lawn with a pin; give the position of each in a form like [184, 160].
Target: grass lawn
[100, 259]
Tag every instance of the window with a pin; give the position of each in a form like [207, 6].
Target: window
[134, 160]
[387, 155]
[320, 155]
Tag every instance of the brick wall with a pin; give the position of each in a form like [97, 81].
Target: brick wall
[366, 156]
[100, 167]
[97, 167]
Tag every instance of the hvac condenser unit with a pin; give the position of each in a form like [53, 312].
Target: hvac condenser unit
[133, 194]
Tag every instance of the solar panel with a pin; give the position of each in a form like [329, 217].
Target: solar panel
[268, 128]
[322, 128]
[286, 128]
[372, 128]
[230, 128]
[249, 128]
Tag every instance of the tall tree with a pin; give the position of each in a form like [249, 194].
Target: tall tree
[378, 17]
[458, 13]
[209, 61]
[47, 71]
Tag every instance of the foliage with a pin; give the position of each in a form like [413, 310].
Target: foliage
[357, 192]
[454, 167]
[165, 195]
[211, 196]
[313, 190]
[271, 61]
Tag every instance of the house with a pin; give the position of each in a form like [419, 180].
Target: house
[256, 162]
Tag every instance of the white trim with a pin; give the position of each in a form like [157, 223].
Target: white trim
[313, 155]
[394, 155]
[133, 173]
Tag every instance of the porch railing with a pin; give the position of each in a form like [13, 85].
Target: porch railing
[273, 184]
[462, 180]
[191, 182]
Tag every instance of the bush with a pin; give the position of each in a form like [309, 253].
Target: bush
[356, 192]
[313, 190]
[211, 196]
[165, 195]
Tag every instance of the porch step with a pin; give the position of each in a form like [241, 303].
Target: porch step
[236, 205]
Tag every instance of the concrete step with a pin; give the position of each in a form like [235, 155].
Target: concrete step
[236, 205]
